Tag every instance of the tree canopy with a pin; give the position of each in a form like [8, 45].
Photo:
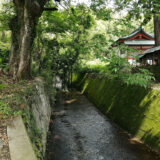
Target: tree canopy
[58, 35]
[143, 9]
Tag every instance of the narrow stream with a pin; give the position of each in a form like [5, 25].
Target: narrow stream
[78, 131]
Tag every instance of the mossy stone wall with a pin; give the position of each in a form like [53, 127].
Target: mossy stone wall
[134, 108]
[37, 115]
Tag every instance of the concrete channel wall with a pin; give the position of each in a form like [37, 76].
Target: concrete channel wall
[37, 118]
[135, 109]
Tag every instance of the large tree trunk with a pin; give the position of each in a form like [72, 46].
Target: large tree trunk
[27, 36]
[13, 63]
[157, 29]
[23, 34]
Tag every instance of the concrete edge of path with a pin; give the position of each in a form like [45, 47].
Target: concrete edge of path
[20, 145]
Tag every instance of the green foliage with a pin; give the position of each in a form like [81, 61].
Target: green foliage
[142, 78]
[5, 110]
[2, 86]
[48, 78]
[10, 100]
[155, 70]
[140, 9]
[104, 34]
[118, 68]
[65, 36]
[7, 12]
[34, 132]
[12, 96]
[96, 69]
[4, 55]
[60, 43]
[117, 64]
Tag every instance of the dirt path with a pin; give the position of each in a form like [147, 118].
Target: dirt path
[79, 131]
[4, 146]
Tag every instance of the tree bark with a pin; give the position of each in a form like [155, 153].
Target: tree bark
[13, 63]
[157, 29]
[27, 36]
[23, 34]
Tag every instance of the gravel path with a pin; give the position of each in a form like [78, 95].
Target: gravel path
[79, 131]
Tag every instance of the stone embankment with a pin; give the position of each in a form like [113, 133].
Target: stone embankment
[37, 117]
[28, 137]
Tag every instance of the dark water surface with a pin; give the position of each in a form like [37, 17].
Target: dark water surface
[78, 131]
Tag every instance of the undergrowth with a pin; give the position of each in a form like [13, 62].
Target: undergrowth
[11, 96]
[129, 75]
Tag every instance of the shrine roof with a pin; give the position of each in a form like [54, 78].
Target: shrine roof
[137, 31]
[151, 50]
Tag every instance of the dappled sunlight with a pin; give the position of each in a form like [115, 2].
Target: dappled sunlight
[95, 62]
[70, 101]
[150, 120]
[135, 140]
[84, 87]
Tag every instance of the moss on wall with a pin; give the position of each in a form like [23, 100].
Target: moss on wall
[134, 108]
[37, 113]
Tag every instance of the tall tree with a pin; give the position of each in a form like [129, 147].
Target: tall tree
[70, 31]
[157, 30]
[22, 26]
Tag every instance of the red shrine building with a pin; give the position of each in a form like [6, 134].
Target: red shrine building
[138, 40]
